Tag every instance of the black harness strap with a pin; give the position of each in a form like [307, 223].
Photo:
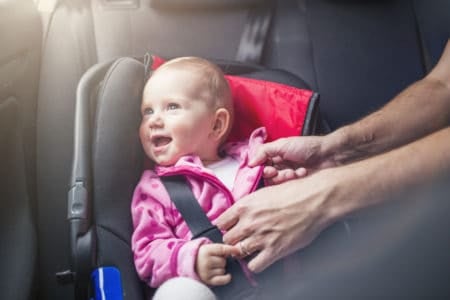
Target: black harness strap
[200, 226]
[188, 206]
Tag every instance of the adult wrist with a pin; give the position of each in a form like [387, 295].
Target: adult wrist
[350, 143]
[335, 146]
[343, 199]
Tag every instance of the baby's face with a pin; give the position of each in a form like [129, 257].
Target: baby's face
[176, 117]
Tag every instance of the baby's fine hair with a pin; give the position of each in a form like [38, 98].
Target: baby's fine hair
[214, 78]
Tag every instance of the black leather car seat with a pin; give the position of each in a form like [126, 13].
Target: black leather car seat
[108, 161]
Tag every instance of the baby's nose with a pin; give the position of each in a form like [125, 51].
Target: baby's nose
[156, 120]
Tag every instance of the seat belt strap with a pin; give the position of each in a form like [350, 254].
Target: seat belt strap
[254, 35]
[181, 195]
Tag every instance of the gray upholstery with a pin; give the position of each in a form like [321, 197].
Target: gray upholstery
[18, 248]
[117, 163]
[398, 250]
[169, 33]
[68, 52]
[20, 34]
[433, 24]
[356, 54]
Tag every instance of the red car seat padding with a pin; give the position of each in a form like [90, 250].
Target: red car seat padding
[280, 108]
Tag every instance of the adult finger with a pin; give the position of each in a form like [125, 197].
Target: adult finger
[261, 261]
[234, 235]
[249, 246]
[239, 230]
[282, 176]
[286, 175]
[301, 172]
[277, 159]
[224, 250]
[228, 218]
[269, 172]
[266, 151]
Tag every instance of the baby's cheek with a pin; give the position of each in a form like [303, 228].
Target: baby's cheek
[142, 131]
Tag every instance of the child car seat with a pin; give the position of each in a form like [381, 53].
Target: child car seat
[107, 165]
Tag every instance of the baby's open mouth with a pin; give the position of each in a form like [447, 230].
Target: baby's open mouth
[159, 141]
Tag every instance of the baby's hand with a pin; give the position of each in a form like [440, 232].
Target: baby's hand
[211, 262]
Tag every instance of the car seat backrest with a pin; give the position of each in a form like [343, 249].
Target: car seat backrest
[433, 26]
[117, 163]
[205, 28]
[108, 161]
[356, 54]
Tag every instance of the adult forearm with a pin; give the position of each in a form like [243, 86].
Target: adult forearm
[371, 181]
[280, 219]
[422, 108]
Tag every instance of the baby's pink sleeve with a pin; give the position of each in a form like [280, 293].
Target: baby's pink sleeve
[158, 254]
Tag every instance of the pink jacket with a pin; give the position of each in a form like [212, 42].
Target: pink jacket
[161, 241]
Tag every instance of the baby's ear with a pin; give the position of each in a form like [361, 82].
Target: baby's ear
[222, 123]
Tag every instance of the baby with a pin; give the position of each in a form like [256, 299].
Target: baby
[187, 114]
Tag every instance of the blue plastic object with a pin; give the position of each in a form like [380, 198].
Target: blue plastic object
[107, 284]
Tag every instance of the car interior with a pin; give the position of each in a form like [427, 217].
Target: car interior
[62, 61]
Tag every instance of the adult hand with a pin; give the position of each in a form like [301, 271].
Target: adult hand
[211, 262]
[293, 157]
[278, 220]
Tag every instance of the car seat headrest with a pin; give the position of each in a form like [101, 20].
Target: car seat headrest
[284, 110]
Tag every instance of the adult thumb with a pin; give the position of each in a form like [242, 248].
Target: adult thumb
[265, 152]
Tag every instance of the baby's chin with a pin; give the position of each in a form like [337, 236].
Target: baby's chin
[166, 162]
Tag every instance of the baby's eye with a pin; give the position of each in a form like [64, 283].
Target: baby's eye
[172, 106]
[147, 111]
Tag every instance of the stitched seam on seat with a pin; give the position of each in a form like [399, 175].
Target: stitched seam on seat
[114, 233]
